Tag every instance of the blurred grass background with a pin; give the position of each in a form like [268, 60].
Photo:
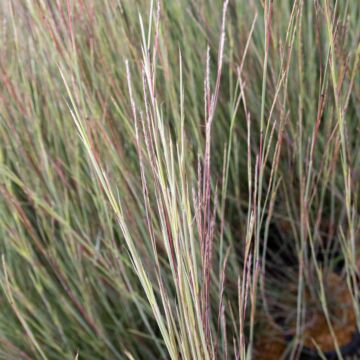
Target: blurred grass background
[284, 150]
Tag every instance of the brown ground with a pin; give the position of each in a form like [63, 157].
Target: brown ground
[271, 346]
[343, 320]
[344, 323]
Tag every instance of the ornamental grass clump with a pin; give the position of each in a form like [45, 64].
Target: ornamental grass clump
[179, 179]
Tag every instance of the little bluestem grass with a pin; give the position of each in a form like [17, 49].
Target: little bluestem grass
[148, 150]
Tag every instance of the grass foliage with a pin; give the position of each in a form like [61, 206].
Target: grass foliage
[174, 175]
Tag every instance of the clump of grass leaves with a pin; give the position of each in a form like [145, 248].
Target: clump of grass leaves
[147, 150]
